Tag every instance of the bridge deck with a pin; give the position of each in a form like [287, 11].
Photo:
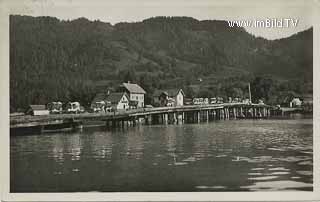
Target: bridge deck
[28, 120]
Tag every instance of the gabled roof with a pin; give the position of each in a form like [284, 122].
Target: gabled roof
[115, 98]
[100, 97]
[174, 92]
[169, 92]
[38, 107]
[133, 88]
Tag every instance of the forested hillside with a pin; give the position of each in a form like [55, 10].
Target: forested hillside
[53, 60]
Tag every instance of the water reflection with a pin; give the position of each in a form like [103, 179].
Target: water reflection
[230, 155]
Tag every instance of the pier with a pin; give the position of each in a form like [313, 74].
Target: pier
[159, 115]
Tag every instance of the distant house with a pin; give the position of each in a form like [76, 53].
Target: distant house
[99, 103]
[135, 93]
[37, 110]
[119, 100]
[295, 102]
[171, 97]
[54, 107]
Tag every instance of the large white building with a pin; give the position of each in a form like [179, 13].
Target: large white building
[136, 94]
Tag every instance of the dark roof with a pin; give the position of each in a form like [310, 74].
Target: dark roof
[38, 107]
[115, 98]
[169, 92]
[133, 88]
[100, 97]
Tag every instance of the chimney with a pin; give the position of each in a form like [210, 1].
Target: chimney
[128, 81]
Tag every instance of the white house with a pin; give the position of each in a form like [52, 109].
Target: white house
[172, 97]
[119, 101]
[37, 110]
[136, 94]
[295, 102]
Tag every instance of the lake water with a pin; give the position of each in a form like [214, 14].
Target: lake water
[233, 155]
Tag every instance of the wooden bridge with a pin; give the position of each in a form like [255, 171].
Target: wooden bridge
[158, 115]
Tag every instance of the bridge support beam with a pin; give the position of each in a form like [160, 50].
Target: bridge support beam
[207, 115]
[165, 118]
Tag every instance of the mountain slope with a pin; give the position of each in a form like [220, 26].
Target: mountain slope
[70, 60]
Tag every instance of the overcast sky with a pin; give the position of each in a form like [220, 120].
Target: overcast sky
[137, 10]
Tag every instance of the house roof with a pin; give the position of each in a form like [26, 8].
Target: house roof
[38, 107]
[115, 98]
[133, 88]
[100, 97]
[169, 92]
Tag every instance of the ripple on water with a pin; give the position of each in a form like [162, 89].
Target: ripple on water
[263, 178]
[305, 172]
[257, 168]
[279, 173]
[210, 187]
[254, 173]
[180, 163]
[190, 159]
[279, 169]
[305, 163]
[277, 185]
[222, 155]
[276, 149]
[290, 159]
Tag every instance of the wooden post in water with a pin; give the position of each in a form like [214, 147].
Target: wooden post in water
[223, 113]
[195, 117]
[175, 120]
[160, 118]
[198, 117]
[183, 115]
[235, 113]
[227, 113]
[165, 118]
[207, 115]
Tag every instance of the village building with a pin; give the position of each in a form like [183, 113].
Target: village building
[104, 102]
[118, 101]
[135, 93]
[99, 103]
[295, 102]
[37, 110]
[169, 98]
[54, 107]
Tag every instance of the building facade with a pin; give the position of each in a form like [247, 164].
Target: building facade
[119, 101]
[171, 98]
[37, 110]
[136, 94]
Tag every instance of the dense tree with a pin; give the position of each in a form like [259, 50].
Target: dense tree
[53, 60]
